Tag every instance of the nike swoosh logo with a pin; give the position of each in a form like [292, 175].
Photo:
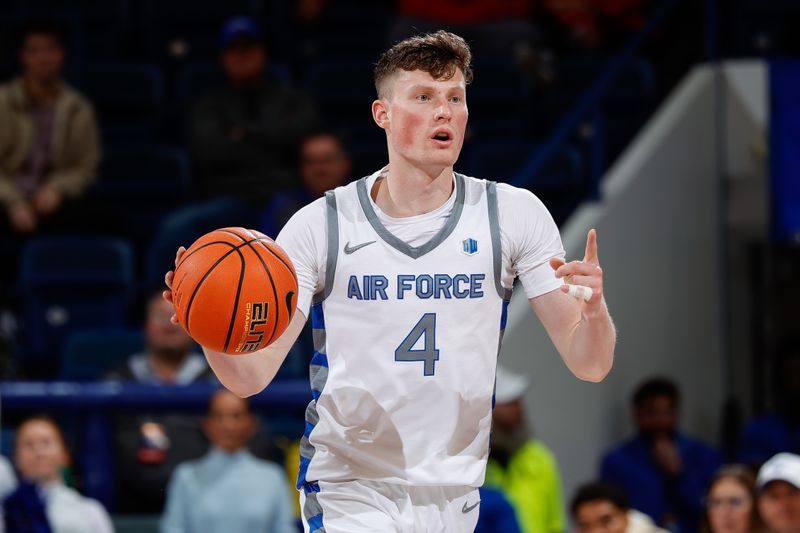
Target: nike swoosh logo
[466, 509]
[350, 249]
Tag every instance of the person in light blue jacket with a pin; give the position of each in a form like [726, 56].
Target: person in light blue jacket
[228, 490]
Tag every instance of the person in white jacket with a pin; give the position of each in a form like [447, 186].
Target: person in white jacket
[40, 453]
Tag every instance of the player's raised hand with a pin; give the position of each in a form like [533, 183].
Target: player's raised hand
[167, 294]
[583, 279]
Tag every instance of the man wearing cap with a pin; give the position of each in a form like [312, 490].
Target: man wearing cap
[778, 487]
[520, 465]
[244, 136]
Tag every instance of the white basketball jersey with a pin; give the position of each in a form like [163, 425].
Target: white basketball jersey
[406, 343]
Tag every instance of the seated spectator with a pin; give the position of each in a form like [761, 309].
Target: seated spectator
[603, 508]
[730, 502]
[324, 165]
[778, 487]
[663, 472]
[496, 514]
[49, 147]
[244, 136]
[42, 502]
[779, 431]
[150, 446]
[243, 142]
[228, 489]
[521, 466]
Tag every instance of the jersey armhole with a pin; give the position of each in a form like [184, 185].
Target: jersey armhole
[332, 252]
[497, 245]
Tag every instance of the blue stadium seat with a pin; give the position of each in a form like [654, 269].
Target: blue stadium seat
[71, 283]
[91, 354]
[131, 173]
[129, 99]
[343, 89]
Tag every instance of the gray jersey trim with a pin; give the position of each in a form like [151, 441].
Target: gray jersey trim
[332, 219]
[497, 245]
[312, 508]
[413, 252]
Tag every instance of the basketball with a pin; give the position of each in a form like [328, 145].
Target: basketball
[234, 290]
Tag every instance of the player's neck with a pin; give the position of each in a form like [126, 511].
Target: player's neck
[409, 191]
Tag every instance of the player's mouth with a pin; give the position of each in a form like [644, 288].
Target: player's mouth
[442, 138]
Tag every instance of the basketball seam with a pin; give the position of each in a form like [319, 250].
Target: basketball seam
[235, 301]
[274, 292]
[199, 283]
[269, 274]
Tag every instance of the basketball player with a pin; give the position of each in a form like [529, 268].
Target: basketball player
[407, 275]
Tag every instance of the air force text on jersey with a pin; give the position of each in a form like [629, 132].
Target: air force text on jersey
[424, 286]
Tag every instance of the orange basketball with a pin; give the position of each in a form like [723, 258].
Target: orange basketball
[234, 290]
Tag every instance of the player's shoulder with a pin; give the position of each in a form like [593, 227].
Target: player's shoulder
[508, 196]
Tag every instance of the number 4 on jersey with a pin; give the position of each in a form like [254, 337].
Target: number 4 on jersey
[428, 354]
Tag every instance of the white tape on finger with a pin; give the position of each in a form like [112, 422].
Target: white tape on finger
[580, 291]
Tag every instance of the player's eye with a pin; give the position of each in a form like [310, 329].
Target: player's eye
[455, 99]
[423, 97]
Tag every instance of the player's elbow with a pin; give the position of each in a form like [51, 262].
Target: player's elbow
[246, 388]
[595, 372]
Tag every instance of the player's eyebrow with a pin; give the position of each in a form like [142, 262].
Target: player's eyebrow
[427, 87]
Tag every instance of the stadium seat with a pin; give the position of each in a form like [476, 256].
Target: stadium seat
[128, 98]
[91, 354]
[343, 89]
[71, 283]
[133, 173]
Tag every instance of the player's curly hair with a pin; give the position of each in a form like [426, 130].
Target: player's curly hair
[439, 54]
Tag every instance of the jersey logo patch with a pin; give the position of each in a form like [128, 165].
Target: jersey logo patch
[350, 249]
[469, 246]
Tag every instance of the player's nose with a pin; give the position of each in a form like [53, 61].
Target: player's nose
[443, 111]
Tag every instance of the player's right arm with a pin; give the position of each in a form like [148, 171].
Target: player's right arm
[304, 239]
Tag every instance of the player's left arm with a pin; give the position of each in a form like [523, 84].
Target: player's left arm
[582, 331]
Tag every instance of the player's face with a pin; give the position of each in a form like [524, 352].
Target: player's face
[600, 516]
[229, 424]
[163, 335]
[42, 57]
[39, 452]
[730, 507]
[425, 118]
[779, 505]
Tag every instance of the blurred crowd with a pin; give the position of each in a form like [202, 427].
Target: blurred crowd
[241, 144]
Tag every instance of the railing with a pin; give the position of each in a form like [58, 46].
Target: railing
[96, 404]
[589, 107]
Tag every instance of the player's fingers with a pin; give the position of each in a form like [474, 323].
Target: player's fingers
[580, 292]
[590, 255]
[167, 295]
[174, 319]
[588, 281]
[578, 268]
[556, 263]
[168, 278]
[178, 254]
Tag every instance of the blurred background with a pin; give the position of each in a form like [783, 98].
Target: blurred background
[128, 128]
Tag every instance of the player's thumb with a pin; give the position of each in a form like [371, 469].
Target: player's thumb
[556, 262]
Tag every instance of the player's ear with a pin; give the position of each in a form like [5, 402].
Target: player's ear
[380, 113]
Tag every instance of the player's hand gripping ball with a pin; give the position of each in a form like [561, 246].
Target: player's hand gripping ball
[234, 290]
